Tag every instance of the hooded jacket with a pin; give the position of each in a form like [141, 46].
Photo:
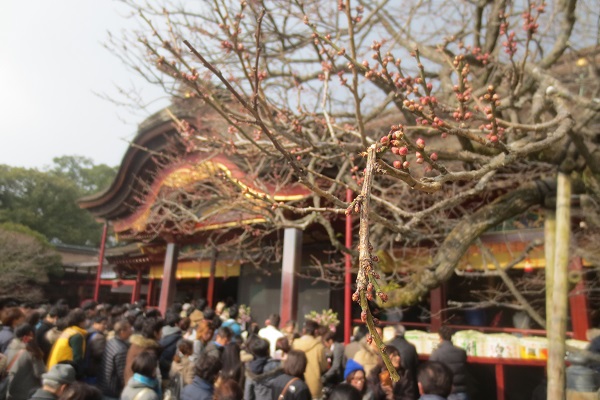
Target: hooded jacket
[367, 356]
[199, 389]
[138, 391]
[456, 359]
[25, 375]
[70, 346]
[112, 367]
[316, 362]
[258, 372]
[168, 343]
[138, 344]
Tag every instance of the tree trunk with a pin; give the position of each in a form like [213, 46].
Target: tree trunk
[549, 246]
[556, 336]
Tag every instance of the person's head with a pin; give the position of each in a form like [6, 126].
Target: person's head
[24, 333]
[400, 330]
[283, 344]
[345, 391]
[224, 335]
[99, 323]
[233, 312]
[12, 317]
[394, 355]
[274, 320]
[359, 332]
[433, 377]
[52, 315]
[289, 327]
[185, 348]
[219, 308]
[122, 329]
[354, 374]
[229, 389]
[184, 324]
[58, 378]
[145, 364]
[77, 318]
[328, 338]
[445, 333]
[208, 368]
[81, 391]
[152, 328]
[204, 332]
[310, 327]
[172, 318]
[295, 363]
[259, 347]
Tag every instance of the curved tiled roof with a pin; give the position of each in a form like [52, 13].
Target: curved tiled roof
[126, 203]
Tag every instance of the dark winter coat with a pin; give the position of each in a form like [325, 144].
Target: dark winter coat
[199, 389]
[168, 344]
[298, 390]
[138, 344]
[112, 368]
[94, 349]
[408, 354]
[42, 394]
[41, 339]
[258, 373]
[456, 359]
[6, 335]
[335, 373]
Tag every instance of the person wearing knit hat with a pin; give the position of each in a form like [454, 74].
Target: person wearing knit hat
[354, 375]
[55, 382]
[352, 366]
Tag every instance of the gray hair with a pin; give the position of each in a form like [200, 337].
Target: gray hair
[400, 330]
[51, 383]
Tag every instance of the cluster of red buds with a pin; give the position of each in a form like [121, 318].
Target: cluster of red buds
[495, 132]
[227, 45]
[530, 24]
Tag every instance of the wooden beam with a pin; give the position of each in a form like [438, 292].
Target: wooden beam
[580, 317]
[292, 254]
[100, 262]
[168, 287]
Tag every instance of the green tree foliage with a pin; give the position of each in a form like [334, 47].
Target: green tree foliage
[26, 258]
[45, 201]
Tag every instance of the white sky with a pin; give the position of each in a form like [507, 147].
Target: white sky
[51, 63]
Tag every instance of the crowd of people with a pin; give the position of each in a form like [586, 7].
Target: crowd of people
[195, 352]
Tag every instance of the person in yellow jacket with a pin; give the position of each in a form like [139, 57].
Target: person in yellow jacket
[316, 365]
[70, 345]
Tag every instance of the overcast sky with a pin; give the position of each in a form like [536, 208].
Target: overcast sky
[51, 63]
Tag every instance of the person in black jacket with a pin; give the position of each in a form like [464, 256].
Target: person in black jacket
[45, 325]
[112, 367]
[290, 385]
[260, 370]
[171, 334]
[454, 358]
[408, 352]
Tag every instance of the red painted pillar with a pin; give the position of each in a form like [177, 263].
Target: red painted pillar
[137, 287]
[211, 280]
[150, 290]
[437, 298]
[168, 287]
[580, 318]
[500, 382]
[100, 262]
[292, 253]
[348, 275]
